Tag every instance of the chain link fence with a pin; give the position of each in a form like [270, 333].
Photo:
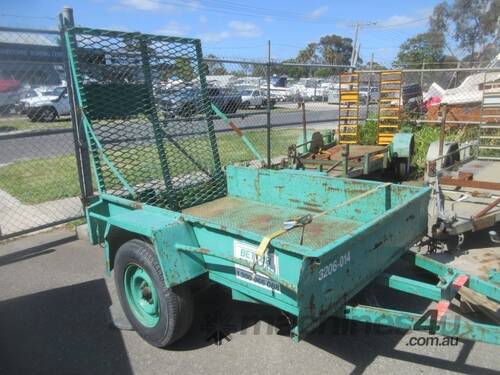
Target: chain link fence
[38, 177]
[274, 104]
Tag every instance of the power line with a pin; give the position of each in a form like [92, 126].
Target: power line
[242, 11]
[380, 24]
[268, 11]
[231, 7]
[24, 16]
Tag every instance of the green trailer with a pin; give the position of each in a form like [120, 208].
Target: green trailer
[352, 160]
[171, 208]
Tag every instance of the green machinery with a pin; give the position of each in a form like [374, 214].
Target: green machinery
[171, 207]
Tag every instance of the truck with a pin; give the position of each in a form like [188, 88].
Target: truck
[255, 98]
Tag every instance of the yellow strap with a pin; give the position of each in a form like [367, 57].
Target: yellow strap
[265, 241]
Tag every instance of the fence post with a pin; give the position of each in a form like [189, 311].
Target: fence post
[367, 106]
[66, 20]
[422, 75]
[304, 125]
[442, 133]
[268, 77]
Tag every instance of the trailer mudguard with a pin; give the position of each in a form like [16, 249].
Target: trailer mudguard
[112, 221]
[402, 146]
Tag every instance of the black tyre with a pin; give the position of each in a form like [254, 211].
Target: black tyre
[402, 169]
[455, 243]
[159, 314]
[47, 114]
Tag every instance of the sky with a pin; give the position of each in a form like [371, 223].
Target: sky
[241, 28]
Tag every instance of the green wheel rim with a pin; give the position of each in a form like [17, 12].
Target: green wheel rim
[141, 295]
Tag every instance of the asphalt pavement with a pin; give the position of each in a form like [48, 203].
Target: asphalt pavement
[61, 144]
[54, 319]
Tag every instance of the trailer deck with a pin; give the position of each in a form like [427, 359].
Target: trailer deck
[243, 214]
[471, 192]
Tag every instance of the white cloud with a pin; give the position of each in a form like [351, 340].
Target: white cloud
[174, 28]
[244, 29]
[317, 13]
[215, 37]
[235, 29]
[268, 19]
[193, 5]
[203, 19]
[146, 5]
[403, 21]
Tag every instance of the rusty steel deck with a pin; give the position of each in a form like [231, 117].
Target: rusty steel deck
[233, 212]
[356, 152]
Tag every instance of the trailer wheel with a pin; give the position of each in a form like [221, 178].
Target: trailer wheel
[159, 314]
[455, 243]
[402, 168]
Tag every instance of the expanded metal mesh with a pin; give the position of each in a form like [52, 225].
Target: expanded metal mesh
[148, 104]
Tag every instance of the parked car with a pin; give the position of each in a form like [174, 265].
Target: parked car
[255, 98]
[369, 96]
[45, 103]
[186, 102]
[11, 91]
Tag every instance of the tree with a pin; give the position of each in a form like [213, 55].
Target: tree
[336, 49]
[183, 69]
[331, 49]
[374, 66]
[423, 48]
[215, 68]
[472, 23]
[294, 71]
[324, 72]
[309, 54]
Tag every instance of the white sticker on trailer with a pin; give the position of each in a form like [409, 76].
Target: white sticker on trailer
[269, 262]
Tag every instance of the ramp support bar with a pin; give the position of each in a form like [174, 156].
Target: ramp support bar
[488, 289]
[458, 327]
[238, 131]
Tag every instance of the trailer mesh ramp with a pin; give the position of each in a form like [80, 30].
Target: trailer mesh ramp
[489, 125]
[147, 117]
[389, 110]
[348, 128]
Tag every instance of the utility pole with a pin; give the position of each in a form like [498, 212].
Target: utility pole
[355, 48]
[422, 76]
[268, 106]
[357, 54]
[356, 32]
[367, 108]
